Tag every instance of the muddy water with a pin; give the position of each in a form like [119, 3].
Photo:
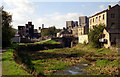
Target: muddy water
[73, 70]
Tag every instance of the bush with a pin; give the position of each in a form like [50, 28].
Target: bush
[94, 35]
[85, 43]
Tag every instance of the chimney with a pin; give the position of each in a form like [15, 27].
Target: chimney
[42, 26]
[109, 7]
[39, 28]
[63, 28]
[30, 23]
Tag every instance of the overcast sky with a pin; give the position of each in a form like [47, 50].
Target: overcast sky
[50, 13]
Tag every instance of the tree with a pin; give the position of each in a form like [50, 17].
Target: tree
[94, 35]
[51, 31]
[7, 30]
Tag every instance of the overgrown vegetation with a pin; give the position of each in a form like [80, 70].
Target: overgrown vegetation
[95, 34]
[47, 62]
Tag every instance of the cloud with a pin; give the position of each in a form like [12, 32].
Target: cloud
[57, 19]
[20, 9]
[101, 7]
[113, 3]
[83, 5]
[23, 10]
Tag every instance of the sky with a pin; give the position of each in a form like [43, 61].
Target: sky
[50, 13]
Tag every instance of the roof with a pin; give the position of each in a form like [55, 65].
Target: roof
[78, 27]
[21, 26]
[99, 13]
[103, 11]
[113, 30]
[64, 32]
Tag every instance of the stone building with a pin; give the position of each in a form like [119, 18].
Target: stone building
[71, 24]
[80, 29]
[111, 19]
[21, 31]
[83, 25]
[75, 31]
[63, 33]
[83, 21]
[28, 31]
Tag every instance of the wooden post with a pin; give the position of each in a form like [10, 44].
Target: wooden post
[71, 43]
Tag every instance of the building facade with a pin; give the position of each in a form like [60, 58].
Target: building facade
[80, 29]
[83, 21]
[71, 24]
[21, 31]
[99, 18]
[111, 19]
[28, 31]
[64, 33]
[75, 31]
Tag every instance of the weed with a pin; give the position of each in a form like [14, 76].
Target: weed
[102, 63]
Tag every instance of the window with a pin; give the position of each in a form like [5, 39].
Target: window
[27, 31]
[113, 24]
[103, 16]
[90, 21]
[99, 18]
[112, 15]
[93, 27]
[93, 19]
[96, 19]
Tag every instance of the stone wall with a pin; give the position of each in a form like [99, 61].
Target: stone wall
[83, 38]
[66, 41]
[38, 47]
[107, 36]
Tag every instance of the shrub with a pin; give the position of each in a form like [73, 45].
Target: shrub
[94, 35]
[85, 43]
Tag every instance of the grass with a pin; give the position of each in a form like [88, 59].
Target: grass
[99, 50]
[49, 61]
[43, 42]
[9, 66]
[50, 42]
[101, 61]
[48, 66]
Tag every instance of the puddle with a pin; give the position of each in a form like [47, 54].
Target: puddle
[73, 70]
